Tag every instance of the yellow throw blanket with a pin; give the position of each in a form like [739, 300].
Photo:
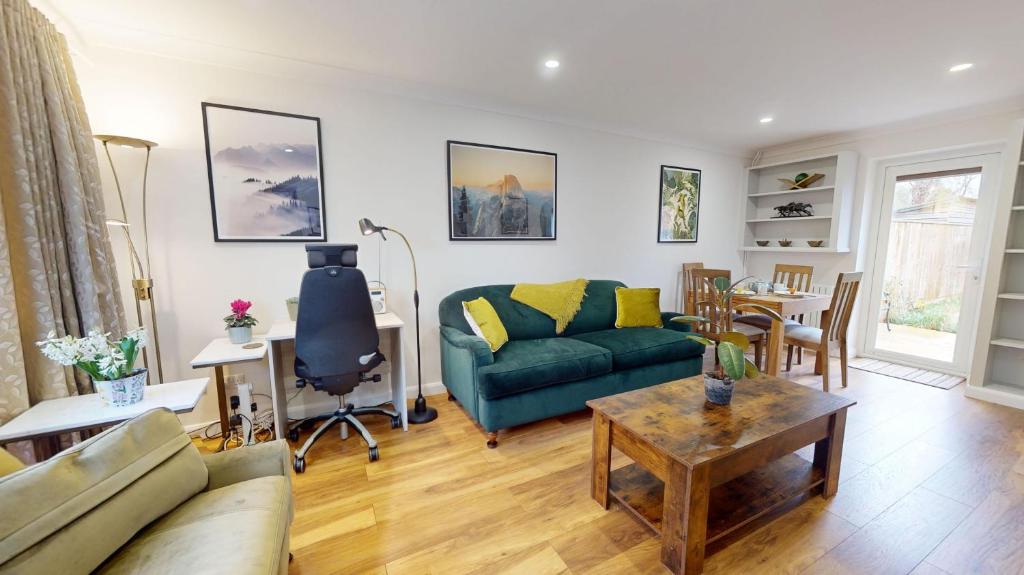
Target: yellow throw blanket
[560, 301]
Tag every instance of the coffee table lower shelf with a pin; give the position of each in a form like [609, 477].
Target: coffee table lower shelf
[732, 505]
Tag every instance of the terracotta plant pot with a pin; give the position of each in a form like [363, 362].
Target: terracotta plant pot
[125, 391]
[718, 391]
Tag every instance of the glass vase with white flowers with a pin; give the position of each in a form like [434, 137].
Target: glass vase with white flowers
[110, 364]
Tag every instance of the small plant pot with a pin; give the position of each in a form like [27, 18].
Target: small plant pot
[123, 392]
[815, 243]
[785, 243]
[239, 335]
[761, 243]
[293, 308]
[718, 391]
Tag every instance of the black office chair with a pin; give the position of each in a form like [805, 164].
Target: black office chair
[336, 339]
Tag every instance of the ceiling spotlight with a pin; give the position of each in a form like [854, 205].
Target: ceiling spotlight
[552, 64]
[289, 150]
[961, 67]
[766, 120]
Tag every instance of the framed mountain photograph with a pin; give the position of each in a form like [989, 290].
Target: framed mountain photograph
[678, 204]
[266, 175]
[498, 193]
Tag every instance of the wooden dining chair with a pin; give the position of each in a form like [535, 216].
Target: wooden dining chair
[687, 304]
[834, 324]
[794, 276]
[702, 282]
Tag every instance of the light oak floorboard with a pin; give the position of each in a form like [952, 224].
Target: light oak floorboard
[932, 483]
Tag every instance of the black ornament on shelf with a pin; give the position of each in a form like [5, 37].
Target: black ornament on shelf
[795, 210]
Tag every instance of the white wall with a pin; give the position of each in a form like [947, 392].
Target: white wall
[874, 146]
[384, 158]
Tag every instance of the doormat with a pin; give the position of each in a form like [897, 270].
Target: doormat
[932, 378]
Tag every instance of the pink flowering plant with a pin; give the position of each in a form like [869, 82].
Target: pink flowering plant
[239, 315]
[96, 354]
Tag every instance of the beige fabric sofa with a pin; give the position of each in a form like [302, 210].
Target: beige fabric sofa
[139, 498]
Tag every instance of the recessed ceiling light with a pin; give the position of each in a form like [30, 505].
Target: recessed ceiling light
[766, 120]
[961, 67]
[552, 64]
[289, 150]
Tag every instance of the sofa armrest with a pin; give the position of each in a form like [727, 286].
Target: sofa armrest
[478, 346]
[237, 465]
[666, 319]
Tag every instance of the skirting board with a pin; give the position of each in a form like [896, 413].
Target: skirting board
[986, 393]
[328, 403]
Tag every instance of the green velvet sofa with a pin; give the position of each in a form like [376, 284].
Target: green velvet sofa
[539, 374]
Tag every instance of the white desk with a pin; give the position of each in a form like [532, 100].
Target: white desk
[78, 412]
[221, 352]
[282, 332]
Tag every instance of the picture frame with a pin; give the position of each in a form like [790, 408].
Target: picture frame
[678, 204]
[266, 175]
[500, 193]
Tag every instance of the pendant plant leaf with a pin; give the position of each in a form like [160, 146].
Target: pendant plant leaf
[732, 360]
[736, 338]
[689, 319]
[700, 339]
[750, 371]
[760, 309]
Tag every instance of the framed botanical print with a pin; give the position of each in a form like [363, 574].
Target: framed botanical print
[678, 204]
[499, 193]
[266, 175]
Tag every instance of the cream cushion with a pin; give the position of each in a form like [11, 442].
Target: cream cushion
[219, 531]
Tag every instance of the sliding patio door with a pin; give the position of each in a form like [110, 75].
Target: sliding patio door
[928, 264]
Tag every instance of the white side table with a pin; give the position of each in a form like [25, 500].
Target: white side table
[78, 412]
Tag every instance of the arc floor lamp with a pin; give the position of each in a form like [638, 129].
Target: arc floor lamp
[142, 280]
[421, 413]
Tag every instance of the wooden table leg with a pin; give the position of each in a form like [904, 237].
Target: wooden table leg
[222, 403]
[828, 453]
[602, 459]
[684, 522]
[775, 337]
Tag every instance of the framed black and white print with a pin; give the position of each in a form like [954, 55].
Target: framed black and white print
[678, 205]
[266, 175]
[499, 193]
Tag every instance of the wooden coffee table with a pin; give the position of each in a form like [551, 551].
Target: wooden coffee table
[704, 472]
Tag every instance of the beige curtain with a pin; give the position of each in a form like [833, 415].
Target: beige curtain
[56, 265]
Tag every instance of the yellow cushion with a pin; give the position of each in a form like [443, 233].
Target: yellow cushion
[637, 307]
[9, 463]
[485, 323]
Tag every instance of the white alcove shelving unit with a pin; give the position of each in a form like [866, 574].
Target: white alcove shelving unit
[831, 198]
[997, 369]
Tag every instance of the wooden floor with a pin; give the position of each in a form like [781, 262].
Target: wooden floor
[932, 483]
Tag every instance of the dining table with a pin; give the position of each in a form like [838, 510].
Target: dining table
[786, 306]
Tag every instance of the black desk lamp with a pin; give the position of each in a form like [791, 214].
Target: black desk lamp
[421, 413]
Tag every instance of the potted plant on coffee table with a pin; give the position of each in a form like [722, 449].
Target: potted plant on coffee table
[110, 364]
[239, 323]
[730, 346]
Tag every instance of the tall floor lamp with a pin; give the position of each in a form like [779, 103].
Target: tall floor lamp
[421, 412]
[142, 280]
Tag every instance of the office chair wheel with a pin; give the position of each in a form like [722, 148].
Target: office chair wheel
[374, 454]
[293, 435]
[396, 422]
[299, 465]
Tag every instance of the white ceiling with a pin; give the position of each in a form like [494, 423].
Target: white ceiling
[687, 71]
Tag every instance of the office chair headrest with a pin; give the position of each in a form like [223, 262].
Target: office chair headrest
[327, 255]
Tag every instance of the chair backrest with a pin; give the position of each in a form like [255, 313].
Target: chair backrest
[836, 320]
[687, 304]
[336, 335]
[703, 296]
[794, 276]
